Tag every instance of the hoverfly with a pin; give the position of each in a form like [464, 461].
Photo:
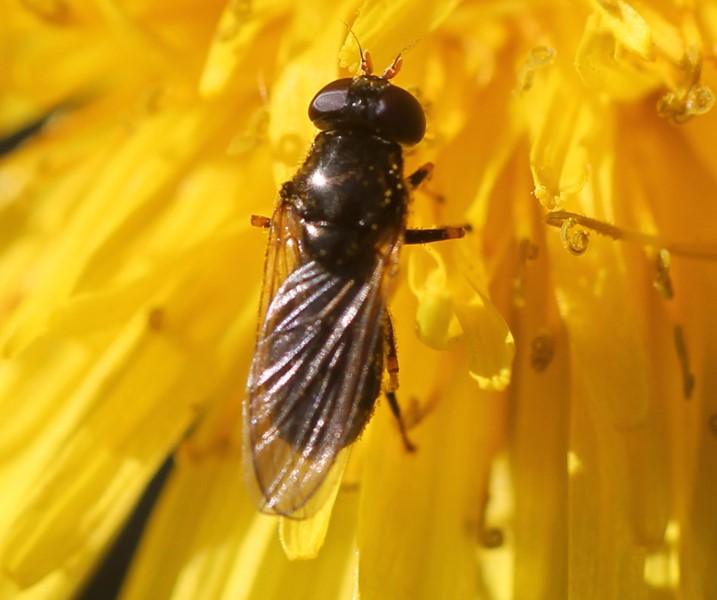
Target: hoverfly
[325, 335]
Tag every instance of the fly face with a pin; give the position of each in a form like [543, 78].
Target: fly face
[325, 335]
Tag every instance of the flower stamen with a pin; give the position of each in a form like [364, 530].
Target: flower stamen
[492, 537]
[575, 242]
[567, 220]
[527, 251]
[542, 350]
[679, 108]
[538, 58]
[688, 379]
[690, 97]
[663, 281]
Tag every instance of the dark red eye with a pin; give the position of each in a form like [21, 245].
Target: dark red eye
[400, 116]
[330, 101]
[371, 103]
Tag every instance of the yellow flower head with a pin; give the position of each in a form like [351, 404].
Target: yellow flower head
[556, 363]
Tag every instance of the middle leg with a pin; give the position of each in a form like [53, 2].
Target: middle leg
[437, 234]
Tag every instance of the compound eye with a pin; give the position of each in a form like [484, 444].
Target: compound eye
[400, 116]
[330, 101]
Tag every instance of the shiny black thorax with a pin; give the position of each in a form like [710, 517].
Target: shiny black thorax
[349, 196]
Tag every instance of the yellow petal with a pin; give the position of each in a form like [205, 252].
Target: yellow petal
[387, 29]
[302, 539]
[598, 65]
[541, 399]
[489, 343]
[396, 542]
[628, 26]
[436, 322]
[560, 123]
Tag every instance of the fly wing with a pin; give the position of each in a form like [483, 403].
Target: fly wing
[315, 376]
[282, 253]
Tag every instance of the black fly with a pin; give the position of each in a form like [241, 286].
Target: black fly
[325, 335]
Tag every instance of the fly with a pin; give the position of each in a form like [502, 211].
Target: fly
[325, 335]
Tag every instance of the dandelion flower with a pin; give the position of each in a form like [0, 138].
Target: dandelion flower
[556, 364]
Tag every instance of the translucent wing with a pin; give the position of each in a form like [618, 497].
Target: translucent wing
[315, 376]
[282, 253]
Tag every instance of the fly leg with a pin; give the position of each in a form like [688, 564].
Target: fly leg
[260, 221]
[438, 234]
[420, 175]
[286, 194]
[390, 393]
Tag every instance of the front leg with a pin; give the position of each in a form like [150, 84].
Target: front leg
[419, 176]
[438, 234]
